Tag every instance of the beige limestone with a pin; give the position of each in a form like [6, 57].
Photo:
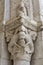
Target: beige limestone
[30, 27]
[20, 45]
[1, 10]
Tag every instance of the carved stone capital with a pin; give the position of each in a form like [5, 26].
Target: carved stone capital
[20, 34]
[21, 43]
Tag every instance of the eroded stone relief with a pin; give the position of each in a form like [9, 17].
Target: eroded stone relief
[20, 42]
[21, 45]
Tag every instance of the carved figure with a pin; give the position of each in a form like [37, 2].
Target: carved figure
[21, 45]
[21, 9]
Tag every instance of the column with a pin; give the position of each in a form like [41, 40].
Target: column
[20, 34]
[38, 54]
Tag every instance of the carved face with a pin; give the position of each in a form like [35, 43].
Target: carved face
[21, 32]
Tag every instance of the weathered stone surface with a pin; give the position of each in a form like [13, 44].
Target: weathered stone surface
[20, 45]
[38, 54]
[4, 54]
[1, 10]
[22, 30]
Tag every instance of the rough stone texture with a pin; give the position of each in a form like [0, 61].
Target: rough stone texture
[20, 45]
[13, 7]
[36, 10]
[1, 13]
[0, 47]
[4, 56]
[37, 57]
[21, 62]
[1, 9]
[14, 4]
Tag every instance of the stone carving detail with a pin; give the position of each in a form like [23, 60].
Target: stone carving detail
[21, 9]
[21, 44]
